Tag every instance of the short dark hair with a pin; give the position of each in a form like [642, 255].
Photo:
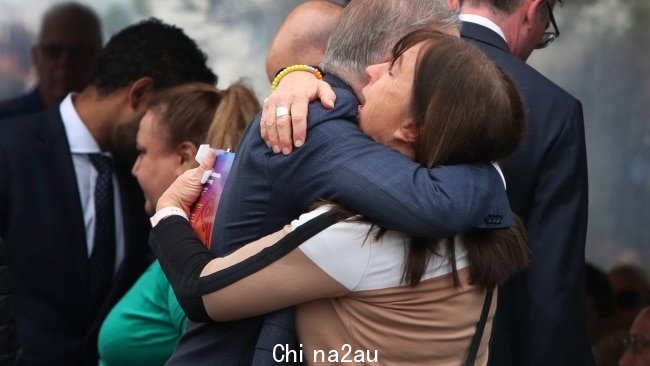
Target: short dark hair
[505, 6]
[150, 48]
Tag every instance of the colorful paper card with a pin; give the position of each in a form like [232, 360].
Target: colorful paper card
[204, 210]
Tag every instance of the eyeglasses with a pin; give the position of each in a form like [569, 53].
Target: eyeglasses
[633, 343]
[55, 51]
[549, 36]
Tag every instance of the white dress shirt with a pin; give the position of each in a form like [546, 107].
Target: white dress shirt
[82, 143]
[480, 20]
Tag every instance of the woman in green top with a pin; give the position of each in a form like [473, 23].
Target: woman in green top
[143, 327]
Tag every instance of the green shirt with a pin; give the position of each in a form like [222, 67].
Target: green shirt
[143, 327]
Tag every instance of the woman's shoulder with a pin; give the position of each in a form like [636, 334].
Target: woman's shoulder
[350, 230]
[340, 249]
[302, 219]
[350, 250]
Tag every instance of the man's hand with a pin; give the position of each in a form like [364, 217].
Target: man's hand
[282, 131]
[187, 187]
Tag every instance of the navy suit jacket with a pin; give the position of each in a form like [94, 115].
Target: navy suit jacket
[540, 318]
[41, 221]
[10, 352]
[22, 104]
[339, 162]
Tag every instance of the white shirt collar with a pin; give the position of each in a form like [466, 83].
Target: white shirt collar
[498, 168]
[80, 139]
[480, 20]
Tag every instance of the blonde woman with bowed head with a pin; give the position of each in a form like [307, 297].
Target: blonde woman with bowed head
[143, 327]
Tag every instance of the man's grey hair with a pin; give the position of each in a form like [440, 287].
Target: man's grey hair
[368, 29]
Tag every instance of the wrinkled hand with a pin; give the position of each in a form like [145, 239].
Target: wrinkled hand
[294, 92]
[187, 187]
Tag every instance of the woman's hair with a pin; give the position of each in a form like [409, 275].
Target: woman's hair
[237, 109]
[465, 110]
[200, 113]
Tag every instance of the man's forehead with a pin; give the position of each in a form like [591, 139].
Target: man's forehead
[64, 31]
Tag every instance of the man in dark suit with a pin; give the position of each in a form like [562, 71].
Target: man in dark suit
[66, 273]
[540, 318]
[10, 352]
[264, 191]
[68, 44]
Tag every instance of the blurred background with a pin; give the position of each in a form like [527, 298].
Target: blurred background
[602, 57]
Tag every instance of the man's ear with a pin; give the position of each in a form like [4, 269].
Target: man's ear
[186, 151]
[532, 14]
[407, 132]
[140, 91]
[454, 4]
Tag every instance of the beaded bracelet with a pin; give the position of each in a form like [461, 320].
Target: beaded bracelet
[287, 70]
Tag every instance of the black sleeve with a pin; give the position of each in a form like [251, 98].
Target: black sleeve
[183, 256]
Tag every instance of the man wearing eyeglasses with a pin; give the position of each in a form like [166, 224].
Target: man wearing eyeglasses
[68, 44]
[540, 318]
[637, 343]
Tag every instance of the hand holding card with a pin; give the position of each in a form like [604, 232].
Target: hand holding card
[204, 210]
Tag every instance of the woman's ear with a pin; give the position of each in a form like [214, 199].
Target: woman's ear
[186, 151]
[407, 132]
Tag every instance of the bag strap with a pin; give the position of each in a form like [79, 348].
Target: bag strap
[480, 328]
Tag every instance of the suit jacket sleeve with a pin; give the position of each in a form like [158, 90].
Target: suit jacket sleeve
[345, 165]
[557, 255]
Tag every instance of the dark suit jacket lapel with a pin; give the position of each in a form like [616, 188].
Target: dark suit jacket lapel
[60, 172]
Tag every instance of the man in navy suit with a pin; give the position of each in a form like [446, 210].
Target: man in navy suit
[540, 318]
[47, 196]
[265, 191]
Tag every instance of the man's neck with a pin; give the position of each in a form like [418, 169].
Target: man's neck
[485, 22]
[503, 22]
[96, 112]
[351, 81]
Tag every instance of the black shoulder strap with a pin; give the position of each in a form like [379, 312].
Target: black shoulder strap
[480, 328]
[302, 233]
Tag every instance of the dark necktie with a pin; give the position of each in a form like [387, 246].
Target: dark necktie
[102, 258]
